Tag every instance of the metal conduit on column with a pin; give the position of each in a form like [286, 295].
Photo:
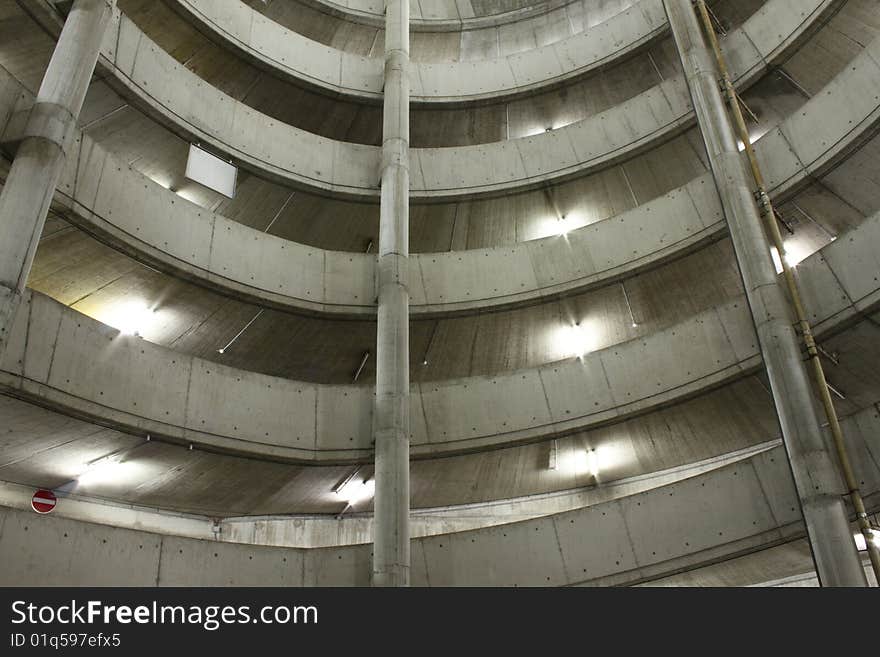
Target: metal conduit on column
[817, 481]
[806, 330]
[42, 152]
[391, 549]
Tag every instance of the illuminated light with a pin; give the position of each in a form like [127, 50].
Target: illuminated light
[562, 124]
[593, 462]
[162, 181]
[189, 195]
[356, 491]
[795, 253]
[753, 138]
[132, 317]
[531, 132]
[572, 222]
[580, 462]
[793, 256]
[777, 261]
[862, 544]
[575, 341]
[563, 226]
[558, 226]
[575, 462]
[107, 471]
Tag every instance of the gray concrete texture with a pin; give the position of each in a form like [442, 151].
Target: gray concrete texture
[839, 143]
[191, 399]
[138, 212]
[45, 448]
[336, 225]
[630, 542]
[817, 480]
[42, 151]
[443, 32]
[302, 59]
[352, 169]
[819, 120]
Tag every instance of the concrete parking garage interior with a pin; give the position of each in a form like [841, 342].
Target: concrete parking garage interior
[496, 297]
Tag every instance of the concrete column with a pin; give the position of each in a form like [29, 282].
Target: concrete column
[818, 483]
[391, 550]
[41, 154]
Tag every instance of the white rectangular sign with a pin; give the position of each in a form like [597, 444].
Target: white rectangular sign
[211, 171]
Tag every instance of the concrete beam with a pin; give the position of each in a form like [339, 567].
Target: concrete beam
[40, 158]
[283, 153]
[143, 218]
[301, 60]
[734, 510]
[356, 527]
[818, 483]
[59, 357]
[391, 417]
[439, 15]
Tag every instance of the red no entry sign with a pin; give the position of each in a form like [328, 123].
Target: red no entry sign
[43, 501]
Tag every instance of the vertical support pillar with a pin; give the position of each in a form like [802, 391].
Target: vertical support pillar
[391, 550]
[818, 484]
[41, 155]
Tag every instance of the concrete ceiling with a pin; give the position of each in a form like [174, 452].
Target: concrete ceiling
[43, 448]
[80, 271]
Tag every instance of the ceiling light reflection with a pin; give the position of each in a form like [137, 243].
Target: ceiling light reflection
[592, 461]
[130, 316]
[795, 253]
[550, 226]
[108, 472]
[356, 490]
[575, 341]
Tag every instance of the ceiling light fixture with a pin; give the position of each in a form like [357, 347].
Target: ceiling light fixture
[356, 490]
[131, 317]
[575, 341]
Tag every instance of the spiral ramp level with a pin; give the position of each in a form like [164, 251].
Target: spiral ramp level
[588, 403]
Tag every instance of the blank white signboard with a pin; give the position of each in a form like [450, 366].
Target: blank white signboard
[211, 171]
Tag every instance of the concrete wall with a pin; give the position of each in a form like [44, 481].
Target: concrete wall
[71, 361]
[500, 23]
[355, 527]
[304, 60]
[74, 362]
[146, 219]
[50, 449]
[203, 113]
[740, 507]
[447, 14]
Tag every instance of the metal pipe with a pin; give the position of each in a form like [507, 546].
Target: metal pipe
[280, 211]
[391, 424]
[222, 350]
[361, 367]
[806, 330]
[817, 482]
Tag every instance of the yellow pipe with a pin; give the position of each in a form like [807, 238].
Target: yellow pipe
[803, 323]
